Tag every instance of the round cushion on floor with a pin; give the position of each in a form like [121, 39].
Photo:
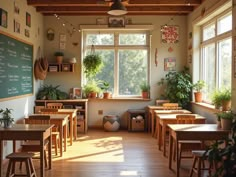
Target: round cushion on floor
[111, 123]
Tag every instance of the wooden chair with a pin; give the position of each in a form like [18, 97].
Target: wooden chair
[187, 146]
[20, 157]
[170, 106]
[48, 110]
[55, 105]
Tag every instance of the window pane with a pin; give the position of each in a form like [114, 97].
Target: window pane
[132, 39]
[210, 72]
[225, 24]
[225, 54]
[209, 32]
[132, 71]
[100, 39]
[107, 72]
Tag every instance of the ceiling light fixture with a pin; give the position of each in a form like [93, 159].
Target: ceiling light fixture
[117, 8]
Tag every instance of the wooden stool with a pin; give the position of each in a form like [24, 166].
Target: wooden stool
[20, 157]
[199, 157]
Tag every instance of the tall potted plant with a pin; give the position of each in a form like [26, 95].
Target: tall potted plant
[216, 99]
[105, 87]
[225, 96]
[178, 87]
[198, 87]
[226, 119]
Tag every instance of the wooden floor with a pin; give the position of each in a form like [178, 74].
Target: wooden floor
[113, 154]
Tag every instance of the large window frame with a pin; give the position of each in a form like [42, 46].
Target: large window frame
[118, 47]
[214, 41]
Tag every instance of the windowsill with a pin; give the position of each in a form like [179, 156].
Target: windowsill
[206, 106]
[120, 99]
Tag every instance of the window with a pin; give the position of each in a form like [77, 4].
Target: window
[125, 58]
[216, 55]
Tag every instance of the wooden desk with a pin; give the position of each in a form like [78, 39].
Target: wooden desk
[61, 121]
[28, 132]
[201, 132]
[151, 117]
[179, 111]
[73, 122]
[163, 120]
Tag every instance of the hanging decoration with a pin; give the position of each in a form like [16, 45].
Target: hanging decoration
[156, 61]
[170, 34]
[71, 29]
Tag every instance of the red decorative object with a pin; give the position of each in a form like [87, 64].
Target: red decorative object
[170, 34]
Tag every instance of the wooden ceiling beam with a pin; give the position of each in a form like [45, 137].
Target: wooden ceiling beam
[130, 10]
[106, 2]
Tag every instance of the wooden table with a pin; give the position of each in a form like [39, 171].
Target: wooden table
[200, 132]
[73, 122]
[61, 121]
[179, 111]
[28, 132]
[151, 117]
[163, 120]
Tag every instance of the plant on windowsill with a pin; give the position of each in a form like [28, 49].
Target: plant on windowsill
[216, 100]
[105, 88]
[226, 119]
[225, 97]
[145, 88]
[6, 119]
[222, 154]
[198, 87]
[91, 89]
[178, 87]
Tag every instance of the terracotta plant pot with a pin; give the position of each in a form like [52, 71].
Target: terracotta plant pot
[59, 59]
[145, 94]
[106, 95]
[226, 124]
[198, 96]
[92, 95]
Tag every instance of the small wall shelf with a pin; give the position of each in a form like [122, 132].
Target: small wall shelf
[61, 67]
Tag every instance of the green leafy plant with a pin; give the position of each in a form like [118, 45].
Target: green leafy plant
[223, 155]
[92, 64]
[6, 119]
[199, 85]
[91, 86]
[216, 99]
[58, 53]
[225, 94]
[49, 92]
[145, 87]
[225, 115]
[105, 86]
[178, 87]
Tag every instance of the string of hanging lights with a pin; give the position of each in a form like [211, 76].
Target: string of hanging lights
[71, 29]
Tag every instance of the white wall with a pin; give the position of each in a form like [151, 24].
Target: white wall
[69, 80]
[24, 105]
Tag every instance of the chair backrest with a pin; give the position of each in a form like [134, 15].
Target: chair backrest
[170, 106]
[48, 110]
[38, 119]
[185, 118]
[55, 105]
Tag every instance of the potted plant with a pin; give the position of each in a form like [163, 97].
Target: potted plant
[225, 97]
[92, 64]
[49, 92]
[198, 86]
[91, 89]
[145, 88]
[105, 86]
[216, 99]
[226, 119]
[6, 119]
[59, 56]
[222, 155]
[178, 87]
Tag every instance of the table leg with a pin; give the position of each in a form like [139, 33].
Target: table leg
[42, 157]
[152, 123]
[65, 136]
[164, 138]
[71, 129]
[170, 150]
[61, 133]
[159, 136]
[50, 150]
[177, 157]
[1, 156]
[75, 127]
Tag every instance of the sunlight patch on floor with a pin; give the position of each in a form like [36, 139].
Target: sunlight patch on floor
[128, 173]
[108, 149]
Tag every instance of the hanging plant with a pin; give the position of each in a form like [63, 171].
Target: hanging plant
[92, 63]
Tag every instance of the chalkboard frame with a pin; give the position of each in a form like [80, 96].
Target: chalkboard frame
[32, 64]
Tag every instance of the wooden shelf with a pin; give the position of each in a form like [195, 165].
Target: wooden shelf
[61, 67]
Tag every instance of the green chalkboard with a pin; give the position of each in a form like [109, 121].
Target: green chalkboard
[16, 67]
